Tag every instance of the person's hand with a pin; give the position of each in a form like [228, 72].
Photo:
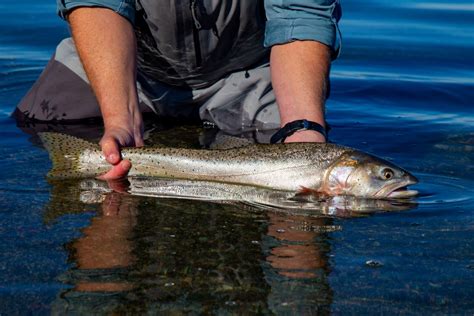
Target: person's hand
[115, 137]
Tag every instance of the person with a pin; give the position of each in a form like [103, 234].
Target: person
[241, 65]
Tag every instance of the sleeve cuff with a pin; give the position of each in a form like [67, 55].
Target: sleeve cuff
[281, 31]
[125, 8]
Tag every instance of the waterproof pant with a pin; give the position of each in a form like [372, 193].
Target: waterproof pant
[240, 102]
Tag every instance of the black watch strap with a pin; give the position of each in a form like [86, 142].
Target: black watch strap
[290, 128]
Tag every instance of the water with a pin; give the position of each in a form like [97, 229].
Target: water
[403, 89]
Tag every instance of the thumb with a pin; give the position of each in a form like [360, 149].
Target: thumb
[111, 150]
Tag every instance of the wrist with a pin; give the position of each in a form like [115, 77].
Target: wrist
[306, 136]
[119, 114]
[300, 131]
[116, 121]
[315, 114]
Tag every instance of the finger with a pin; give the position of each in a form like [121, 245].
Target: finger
[111, 204]
[118, 171]
[138, 137]
[111, 150]
[139, 142]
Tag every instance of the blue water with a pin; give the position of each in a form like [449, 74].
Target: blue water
[403, 89]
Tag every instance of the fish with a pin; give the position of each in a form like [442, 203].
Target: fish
[304, 168]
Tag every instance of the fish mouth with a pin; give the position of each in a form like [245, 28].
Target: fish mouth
[400, 190]
[402, 193]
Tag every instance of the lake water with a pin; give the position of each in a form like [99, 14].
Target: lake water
[403, 89]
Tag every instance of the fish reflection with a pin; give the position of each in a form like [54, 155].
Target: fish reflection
[160, 255]
[262, 198]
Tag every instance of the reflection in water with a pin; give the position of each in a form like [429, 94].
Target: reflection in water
[298, 264]
[151, 254]
[197, 257]
[102, 258]
[262, 198]
[105, 244]
[143, 254]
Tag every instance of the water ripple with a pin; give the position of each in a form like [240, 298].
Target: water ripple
[437, 189]
[460, 7]
[378, 76]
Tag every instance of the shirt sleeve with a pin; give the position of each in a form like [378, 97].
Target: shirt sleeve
[291, 20]
[125, 8]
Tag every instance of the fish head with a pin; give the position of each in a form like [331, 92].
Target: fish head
[363, 175]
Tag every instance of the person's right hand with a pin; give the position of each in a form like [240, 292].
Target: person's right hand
[116, 137]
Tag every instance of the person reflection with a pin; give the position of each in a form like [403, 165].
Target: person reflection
[300, 264]
[103, 256]
[106, 243]
[296, 256]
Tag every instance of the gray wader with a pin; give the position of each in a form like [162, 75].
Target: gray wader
[241, 101]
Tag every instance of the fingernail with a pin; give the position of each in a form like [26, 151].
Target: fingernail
[112, 157]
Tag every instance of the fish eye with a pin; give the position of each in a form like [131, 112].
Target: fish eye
[387, 174]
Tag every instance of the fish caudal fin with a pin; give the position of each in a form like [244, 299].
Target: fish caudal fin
[64, 152]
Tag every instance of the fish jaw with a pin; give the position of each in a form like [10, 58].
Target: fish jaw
[399, 190]
[402, 194]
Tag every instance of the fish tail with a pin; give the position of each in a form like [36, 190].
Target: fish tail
[64, 151]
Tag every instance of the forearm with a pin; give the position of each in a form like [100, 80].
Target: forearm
[300, 72]
[107, 47]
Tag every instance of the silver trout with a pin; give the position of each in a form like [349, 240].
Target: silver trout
[297, 167]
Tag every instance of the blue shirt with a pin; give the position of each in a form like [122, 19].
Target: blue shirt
[287, 20]
[193, 43]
